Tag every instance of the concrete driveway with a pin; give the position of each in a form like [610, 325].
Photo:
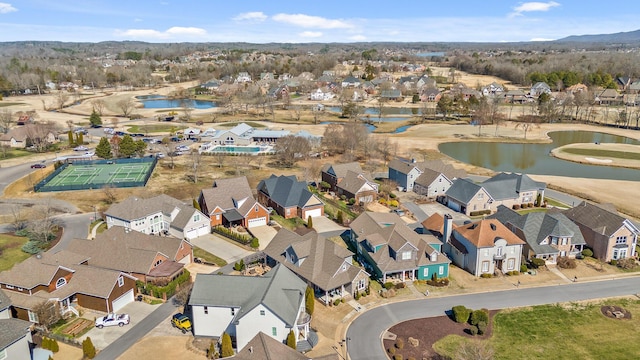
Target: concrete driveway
[220, 247]
[435, 207]
[101, 338]
[264, 234]
[324, 226]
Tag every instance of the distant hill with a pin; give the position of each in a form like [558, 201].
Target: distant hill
[621, 37]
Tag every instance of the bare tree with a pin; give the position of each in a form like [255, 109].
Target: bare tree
[290, 149]
[527, 123]
[109, 194]
[98, 106]
[41, 135]
[114, 122]
[61, 99]
[187, 108]
[6, 118]
[296, 112]
[196, 158]
[48, 313]
[18, 218]
[380, 107]
[42, 223]
[126, 106]
[474, 350]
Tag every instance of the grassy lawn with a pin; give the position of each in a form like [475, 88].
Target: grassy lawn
[552, 202]
[532, 210]
[13, 153]
[11, 251]
[602, 153]
[154, 128]
[569, 331]
[5, 104]
[290, 224]
[232, 124]
[208, 257]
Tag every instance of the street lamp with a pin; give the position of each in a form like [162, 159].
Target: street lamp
[95, 216]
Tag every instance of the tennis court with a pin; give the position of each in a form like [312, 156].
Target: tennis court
[96, 174]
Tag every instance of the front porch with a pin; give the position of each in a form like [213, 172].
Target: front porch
[399, 276]
[332, 295]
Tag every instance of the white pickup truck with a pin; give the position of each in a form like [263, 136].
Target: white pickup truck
[112, 319]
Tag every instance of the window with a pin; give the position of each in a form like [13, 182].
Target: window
[233, 312]
[486, 252]
[485, 266]
[425, 272]
[511, 264]
[480, 196]
[61, 282]
[499, 251]
[9, 286]
[256, 210]
[362, 284]
[406, 255]
[3, 354]
[621, 240]
[218, 217]
[120, 281]
[554, 240]
[564, 241]
[274, 331]
[441, 270]
[33, 317]
[196, 218]
[206, 310]
[261, 312]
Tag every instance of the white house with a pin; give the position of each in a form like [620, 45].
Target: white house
[431, 184]
[158, 214]
[321, 95]
[243, 306]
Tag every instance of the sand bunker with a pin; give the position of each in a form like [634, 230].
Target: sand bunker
[601, 161]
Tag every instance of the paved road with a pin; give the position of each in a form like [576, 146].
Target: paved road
[415, 209]
[222, 248]
[75, 227]
[13, 173]
[365, 331]
[137, 332]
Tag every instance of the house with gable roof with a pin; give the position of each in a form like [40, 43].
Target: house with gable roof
[390, 250]
[5, 305]
[264, 347]
[15, 339]
[481, 247]
[289, 197]
[230, 202]
[243, 306]
[406, 173]
[351, 181]
[157, 215]
[548, 236]
[324, 265]
[351, 81]
[610, 235]
[540, 88]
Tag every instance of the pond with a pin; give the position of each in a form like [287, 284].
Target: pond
[370, 128]
[161, 102]
[535, 158]
[385, 111]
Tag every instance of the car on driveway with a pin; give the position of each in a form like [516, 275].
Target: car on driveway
[181, 321]
[38, 166]
[112, 319]
[80, 148]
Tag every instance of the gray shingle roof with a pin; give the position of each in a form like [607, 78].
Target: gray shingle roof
[5, 302]
[463, 190]
[264, 347]
[286, 191]
[184, 216]
[509, 185]
[12, 330]
[427, 177]
[280, 290]
[323, 259]
[133, 208]
[340, 170]
[352, 182]
[597, 218]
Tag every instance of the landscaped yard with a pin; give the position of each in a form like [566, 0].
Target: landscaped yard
[10, 251]
[567, 331]
[208, 257]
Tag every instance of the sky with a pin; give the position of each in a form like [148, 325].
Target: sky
[302, 21]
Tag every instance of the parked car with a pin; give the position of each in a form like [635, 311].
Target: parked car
[159, 155]
[112, 319]
[399, 212]
[181, 321]
[80, 148]
[38, 166]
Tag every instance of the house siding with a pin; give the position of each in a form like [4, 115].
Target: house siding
[92, 302]
[425, 272]
[121, 290]
[187, 250]
[20, 349]
[252, 214]
[61, 273]
[216, 321]
[253, 322]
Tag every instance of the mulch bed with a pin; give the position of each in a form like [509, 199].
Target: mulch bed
[615, 312]
[428, 331]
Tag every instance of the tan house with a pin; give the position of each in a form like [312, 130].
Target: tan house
[609, 235]
[351, 181]
[289, 197]
[24, 136]
[230, 202]
[66, 280]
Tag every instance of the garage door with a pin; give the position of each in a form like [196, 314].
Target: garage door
[453, 205]
[123, 300]
[313, 213]
[204, 230]
[193, 233]
[258, 222]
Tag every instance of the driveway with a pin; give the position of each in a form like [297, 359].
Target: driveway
[327, 227]
[436, 207]
[220, 247]
[365, 332]
[102, 338]
[264, 234]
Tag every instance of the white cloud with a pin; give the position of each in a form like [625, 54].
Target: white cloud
[251, 16]
[137, 20]
[307, 21]
[358, 38]
[311, 34]
[189, 31]
[6, 8]
[533, 6]
[142, 33]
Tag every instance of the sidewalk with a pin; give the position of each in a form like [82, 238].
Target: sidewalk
[94, 230]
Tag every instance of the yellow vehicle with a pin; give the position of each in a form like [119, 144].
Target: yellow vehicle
[182, 322]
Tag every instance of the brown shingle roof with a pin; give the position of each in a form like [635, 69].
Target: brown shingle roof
[601, 219]
[483, 233]
[232, 193]
[133, 208]
[264, 347]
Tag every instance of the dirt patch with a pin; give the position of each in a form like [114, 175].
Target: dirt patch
[165, 347]
[427, 331]
[615, 312]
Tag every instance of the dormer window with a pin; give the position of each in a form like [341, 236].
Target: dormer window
[406, 255]
[120, 281]
[61, 282]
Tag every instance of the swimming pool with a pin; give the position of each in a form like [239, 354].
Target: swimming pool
[231, 149]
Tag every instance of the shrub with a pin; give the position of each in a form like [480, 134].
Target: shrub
[357, 295]
[480, 212]
[255, 243]
[587, 253]
[392, 195]
[565, 262]
[309, 300]
[291, 340]
[393, 203]
[400, 285]
[226, 349]
[627, 264]
[486, 275]
[397, 357]
[352, 201]
[388, 285]
[460, 313]
[614, 262]
[337, 302]
[368, 289]
[513, 273]
[516, 207]
[478, 316]
[482, 328]
[32, 247]
[309, 222]
[53, 345]
[391, 350]
[340, 217]
[473, 330]
[382, 201]
[536, 262]
[88, 350]
[399, 343]
[523, 268]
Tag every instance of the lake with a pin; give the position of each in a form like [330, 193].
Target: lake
[385, 111]
[161, 102]
[535, 159]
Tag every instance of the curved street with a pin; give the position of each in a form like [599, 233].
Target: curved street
[365, 332]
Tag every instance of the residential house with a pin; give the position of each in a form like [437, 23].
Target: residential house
[5, 306]
[351, 181]
[405, 174]
[430, 95]
[242, 135]
[515, 96]
[481, 247]
[508, 189]
[230, 202]
[264, 347]
[289, 197]
[547, 235]
[634, 88]
[425, 82]
[539, 88]
[321, 94]
[431, 183]
[65, 280]
[243, 306]
[148, 258]
[15, 339]
[326, 266]
[390, 250]
[623, 82]
[608, 97]
[243, 77]
[492, 89]
[159, 214]
[24, 136]
[191, 133]
[577, 88]
[391, 95]
[279, 92]
[351, 82]
[609, 235]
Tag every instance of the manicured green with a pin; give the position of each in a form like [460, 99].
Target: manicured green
[552, 202]
[208, 257]
[569, 331]
[232, 124]
[602, 153]
[11, 253]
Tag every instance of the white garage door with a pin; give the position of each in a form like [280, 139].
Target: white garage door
[123, 300]
[204, 230]
[193, 233]
[313, 213]
[258, 222]
[453, 205]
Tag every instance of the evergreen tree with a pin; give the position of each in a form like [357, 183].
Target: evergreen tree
[80, 138]
[140, 146]
[291, 340]
[196, 205]
[95, 119]
[88, 350]
[309, 302]
[54, 345]
[340, 218]
[127, 146]
[103, 150]
[70, 135]
[310, 222]
[226, 348]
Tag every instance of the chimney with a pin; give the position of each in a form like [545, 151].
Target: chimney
[447, 228]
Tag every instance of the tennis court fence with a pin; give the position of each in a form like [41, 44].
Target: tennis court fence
[42, 185]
